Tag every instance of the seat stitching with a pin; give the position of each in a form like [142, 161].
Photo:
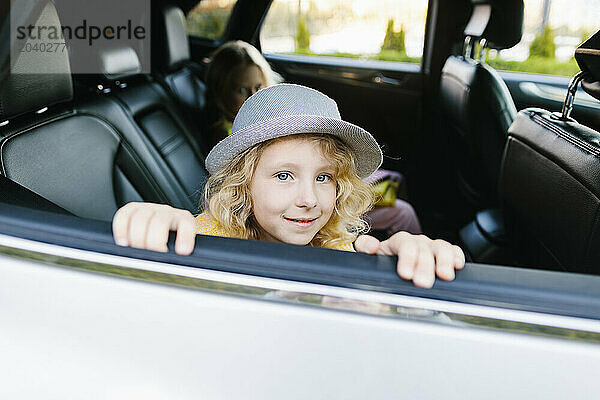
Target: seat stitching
[174, 145]
[565, 135]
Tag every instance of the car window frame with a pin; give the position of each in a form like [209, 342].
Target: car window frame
[549, 292]
[397, 66]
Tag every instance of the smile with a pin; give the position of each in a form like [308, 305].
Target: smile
[301, 222]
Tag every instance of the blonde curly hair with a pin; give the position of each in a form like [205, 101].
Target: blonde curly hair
[227, 194]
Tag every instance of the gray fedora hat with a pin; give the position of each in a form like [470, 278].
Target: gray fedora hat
[286, 109]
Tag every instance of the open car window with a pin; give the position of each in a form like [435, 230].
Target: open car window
[551, 32]
[376, 30]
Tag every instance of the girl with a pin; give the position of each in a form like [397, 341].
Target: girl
[237, 70]
[291, 172]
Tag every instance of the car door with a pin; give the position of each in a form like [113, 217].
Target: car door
[84, 318]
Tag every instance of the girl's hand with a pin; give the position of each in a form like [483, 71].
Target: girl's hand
[420, 259]
[147, 226]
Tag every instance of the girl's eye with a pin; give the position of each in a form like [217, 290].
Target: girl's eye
[283, 176]
[324, 178]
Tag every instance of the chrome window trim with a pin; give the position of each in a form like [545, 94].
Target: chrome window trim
[316, 295]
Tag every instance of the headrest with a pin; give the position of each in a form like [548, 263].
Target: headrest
[588, 58]
[500, 22]
[37, 79]
[172, 45]
[118, 63]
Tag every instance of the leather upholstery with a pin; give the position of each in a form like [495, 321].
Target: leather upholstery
[477, 105]
[171, 37]
[55, 161]
[479, 109]
[119, 62]
[550, 188]
[15, 194]
[187, 89]
[157, 119]
[158, 122]
[99, 152]
[500, 22]
[37, 79]
[174, 69]
[505, 28]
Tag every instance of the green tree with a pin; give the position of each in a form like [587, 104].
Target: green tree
[209, 24]
[302, 36]
[393, 40]
[543, 45]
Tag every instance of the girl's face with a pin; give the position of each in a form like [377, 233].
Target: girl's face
[293, 191]
[245, 81]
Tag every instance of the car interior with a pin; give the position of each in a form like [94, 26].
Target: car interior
[512, 188]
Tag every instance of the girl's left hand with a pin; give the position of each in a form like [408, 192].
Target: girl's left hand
[420, 259]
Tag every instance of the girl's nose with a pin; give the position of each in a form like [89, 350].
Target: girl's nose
[306, 196]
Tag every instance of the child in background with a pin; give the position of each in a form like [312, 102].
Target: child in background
[237, 71]
[291, 171]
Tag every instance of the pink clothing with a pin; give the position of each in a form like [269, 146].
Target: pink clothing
[401, 217]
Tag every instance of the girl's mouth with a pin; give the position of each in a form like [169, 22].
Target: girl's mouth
[301, 222]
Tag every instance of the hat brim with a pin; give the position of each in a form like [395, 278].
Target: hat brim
[366, 151]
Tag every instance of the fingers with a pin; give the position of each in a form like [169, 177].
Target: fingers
[415, 259]
[444, 259]
[156, 233]
[139, 222]
[366, 244]
[120, 223]
[459, 257]
[421, 259]
[424, 275]
[186, 228]
[408, 255]
[147, 226]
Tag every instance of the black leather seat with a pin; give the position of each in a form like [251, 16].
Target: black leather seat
[87, 156]
[175, 70]
[476, 103]
[160, 127]
[550, 181]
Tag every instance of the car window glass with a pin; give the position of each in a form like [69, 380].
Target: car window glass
[552, 30]
[209, 18]
[391, 30]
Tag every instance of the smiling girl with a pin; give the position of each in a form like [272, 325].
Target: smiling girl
[291, 172]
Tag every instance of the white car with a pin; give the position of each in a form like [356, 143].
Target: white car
[83, 318]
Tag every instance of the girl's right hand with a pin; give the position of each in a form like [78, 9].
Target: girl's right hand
[147, 226]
